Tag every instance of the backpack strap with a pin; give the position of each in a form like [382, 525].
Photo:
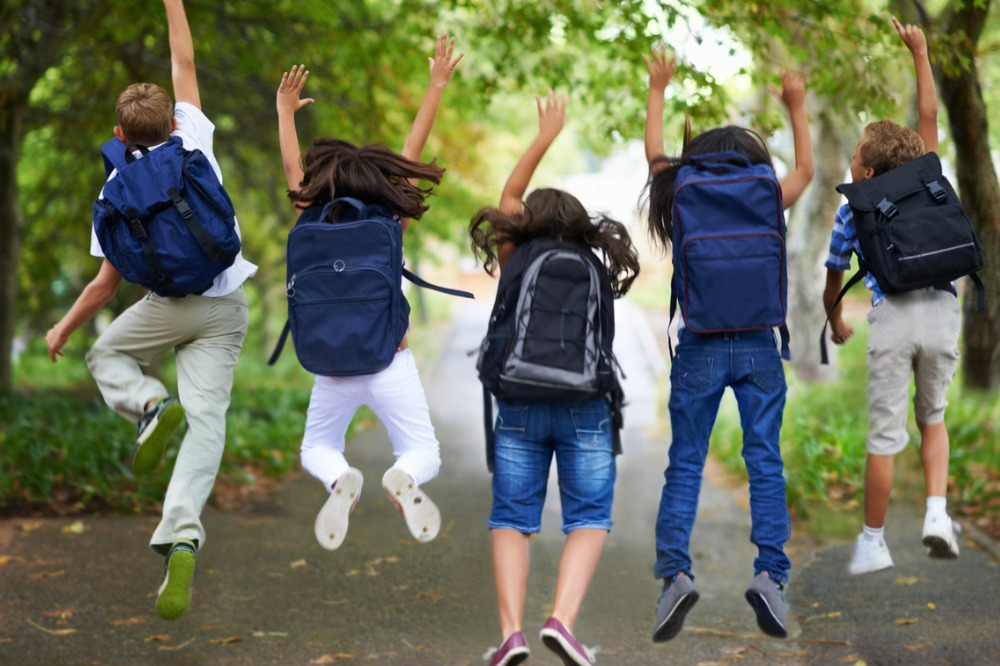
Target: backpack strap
[980, 292]
[420, 282]
[281, 343]
[488, 427]
[856, 278]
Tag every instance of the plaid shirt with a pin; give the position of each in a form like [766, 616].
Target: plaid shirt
[844, 242]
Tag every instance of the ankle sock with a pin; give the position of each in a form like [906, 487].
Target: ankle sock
[874, 533]
[937, 504]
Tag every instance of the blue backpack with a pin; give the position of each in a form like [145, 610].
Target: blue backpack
[729, 247]
[346, 310]
[165, 221]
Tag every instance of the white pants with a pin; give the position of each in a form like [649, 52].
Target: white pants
[206, 334]
[397, 398]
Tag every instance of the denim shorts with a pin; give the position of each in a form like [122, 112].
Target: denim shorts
[527, 436]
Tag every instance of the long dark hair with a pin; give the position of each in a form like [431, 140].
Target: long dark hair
[661, 178]
[373, 174]
[556, 214]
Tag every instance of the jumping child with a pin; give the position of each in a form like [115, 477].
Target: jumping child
[376, 176]
[528, 432]
[704, 365]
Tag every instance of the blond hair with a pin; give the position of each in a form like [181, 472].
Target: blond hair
[144, 111]
[885, 145]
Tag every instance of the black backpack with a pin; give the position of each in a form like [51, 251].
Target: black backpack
[551, 331]
[913, 232]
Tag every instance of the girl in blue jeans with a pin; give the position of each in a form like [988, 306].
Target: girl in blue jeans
[704, 365]
[528, 433]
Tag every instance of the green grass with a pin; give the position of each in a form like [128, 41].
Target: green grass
[823, 442]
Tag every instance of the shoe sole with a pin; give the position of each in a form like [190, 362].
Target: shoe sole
[939, 547]
[420, 513]
[174, 597]
[675, 620]
[766, 620]
[149, 449]
[515, 657]
[554, 641]
[332, 520]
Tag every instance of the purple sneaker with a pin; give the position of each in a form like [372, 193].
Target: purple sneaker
[513, 651]
[558, 639]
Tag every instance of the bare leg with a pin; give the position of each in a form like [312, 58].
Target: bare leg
[934, 451]
[510, 576]
[577, 565]
[878, 486]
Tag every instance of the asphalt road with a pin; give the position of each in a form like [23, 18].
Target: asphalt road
[266, 593]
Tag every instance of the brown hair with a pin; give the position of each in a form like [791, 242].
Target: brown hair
[144, 111]
[559, 215]
[373, 174]
[885, 145]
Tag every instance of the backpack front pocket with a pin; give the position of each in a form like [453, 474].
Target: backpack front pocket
[931, 245]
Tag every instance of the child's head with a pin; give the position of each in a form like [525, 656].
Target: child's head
[373, 174]
[556, 214]
[883, 146]
[661, 183]
[145, 114]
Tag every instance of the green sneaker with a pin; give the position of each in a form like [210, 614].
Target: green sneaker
[155, 427]
[174, 596]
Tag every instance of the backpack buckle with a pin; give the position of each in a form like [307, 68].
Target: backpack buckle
[182, 206]
[936, 190]
[887, 208]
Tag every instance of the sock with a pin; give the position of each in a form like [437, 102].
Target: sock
[936, 504]
[873, 533]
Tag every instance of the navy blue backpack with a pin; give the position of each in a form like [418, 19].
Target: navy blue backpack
[346, 310]
[165, 221]
[729, 247]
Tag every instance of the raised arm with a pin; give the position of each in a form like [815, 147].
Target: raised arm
[94, 296]
[442, 66]
[551, 118]
[927, 105]
[793, 96]
[288, 102]
[182, 69]
[661, 71]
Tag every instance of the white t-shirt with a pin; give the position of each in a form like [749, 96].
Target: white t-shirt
[196, 131]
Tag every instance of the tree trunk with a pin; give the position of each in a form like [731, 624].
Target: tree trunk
[980, 191]
[11, 120]
[808, 241]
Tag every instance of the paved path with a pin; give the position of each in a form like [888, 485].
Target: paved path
[266, 593]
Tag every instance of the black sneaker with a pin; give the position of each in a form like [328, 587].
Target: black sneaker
[767, 598]
[675, 601]
[155, 427]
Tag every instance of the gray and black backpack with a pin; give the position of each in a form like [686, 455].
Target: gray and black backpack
[551, 331]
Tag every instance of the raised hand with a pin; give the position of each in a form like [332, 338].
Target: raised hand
[290, 88]
[913, 37]
[661, 68]
[793, 90]
[551, 114]
[442, 65]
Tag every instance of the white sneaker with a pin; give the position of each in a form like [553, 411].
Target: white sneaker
[332, 519]
[869, 556]
[420, 513]
[939, 535]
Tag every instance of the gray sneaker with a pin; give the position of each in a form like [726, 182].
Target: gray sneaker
[677, 598]
[767, 598]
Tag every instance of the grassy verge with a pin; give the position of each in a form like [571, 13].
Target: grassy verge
[823, 445]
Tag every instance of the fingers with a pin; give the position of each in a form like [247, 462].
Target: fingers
[294, 80]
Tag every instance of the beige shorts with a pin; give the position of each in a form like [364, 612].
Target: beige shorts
[912, 334]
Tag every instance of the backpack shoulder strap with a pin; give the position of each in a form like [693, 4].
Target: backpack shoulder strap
[420, 282]
[856, 278]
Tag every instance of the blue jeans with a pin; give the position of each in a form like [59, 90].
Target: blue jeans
[704, 366]
[527, 436]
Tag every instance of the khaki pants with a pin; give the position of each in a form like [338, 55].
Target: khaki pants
[207, 336]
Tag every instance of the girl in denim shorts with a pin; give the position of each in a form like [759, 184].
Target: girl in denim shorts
[528, 433]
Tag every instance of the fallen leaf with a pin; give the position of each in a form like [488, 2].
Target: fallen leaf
[4, 559]
[130, 620]
[263, 634]
[39, 575]
[157, 638]
[906, 580]
[931, 605]
[62, 613]
[331, 658]
[226, 641]
[76, 528]
[297, 563]
[31, 526]
[917, 646]
[907, 620]
[53, 632]
[177, 647]
[833, 614]
[6, 639]
[433, 595]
